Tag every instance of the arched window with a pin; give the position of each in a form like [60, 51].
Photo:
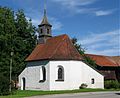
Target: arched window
[41, 30]
[60, 73]
[48, 31]
[92, 81]
[42, 74]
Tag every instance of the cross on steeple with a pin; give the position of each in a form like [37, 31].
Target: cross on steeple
[44, 27]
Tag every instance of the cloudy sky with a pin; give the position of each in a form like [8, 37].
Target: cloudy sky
[95, 23]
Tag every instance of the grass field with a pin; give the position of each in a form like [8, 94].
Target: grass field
[27, 93]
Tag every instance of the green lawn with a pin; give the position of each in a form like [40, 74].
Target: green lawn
[21, 94]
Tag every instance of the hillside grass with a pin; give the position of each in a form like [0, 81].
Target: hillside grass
[27, 93]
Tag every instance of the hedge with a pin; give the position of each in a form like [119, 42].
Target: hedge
[109, 84]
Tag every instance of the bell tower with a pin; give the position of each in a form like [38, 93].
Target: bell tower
[44, 28]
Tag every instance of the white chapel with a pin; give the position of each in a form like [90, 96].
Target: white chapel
[55, 64]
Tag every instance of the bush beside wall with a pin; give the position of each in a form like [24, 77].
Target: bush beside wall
[109, 84]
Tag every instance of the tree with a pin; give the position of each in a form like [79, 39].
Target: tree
[24, 41]
[4, 85]
[7, 27]
[78, 46]
[17, 34]
[81, 50]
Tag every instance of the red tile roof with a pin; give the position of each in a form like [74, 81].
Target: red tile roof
[116, 59]
[103, 60]
[55, 48]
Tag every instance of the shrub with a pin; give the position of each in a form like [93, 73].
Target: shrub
[83, 85]
[112, 84]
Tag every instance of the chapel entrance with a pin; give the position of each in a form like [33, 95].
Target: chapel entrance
[23, 83]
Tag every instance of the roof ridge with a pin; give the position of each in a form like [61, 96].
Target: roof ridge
[101, 55]
[97, 55]
[60, 35]
[58, 46]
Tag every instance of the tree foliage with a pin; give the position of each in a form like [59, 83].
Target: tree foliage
[78, 46]
[4, 85]
[81, 50]
[17, 34]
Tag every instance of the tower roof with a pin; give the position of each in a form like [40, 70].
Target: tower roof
[45, 20]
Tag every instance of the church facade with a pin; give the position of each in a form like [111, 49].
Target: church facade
[55, 64]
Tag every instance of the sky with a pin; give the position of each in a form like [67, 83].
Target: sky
[95, 23]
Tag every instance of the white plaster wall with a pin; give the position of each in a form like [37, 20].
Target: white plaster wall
[88, 73]
[32, 75]
[75, 73]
